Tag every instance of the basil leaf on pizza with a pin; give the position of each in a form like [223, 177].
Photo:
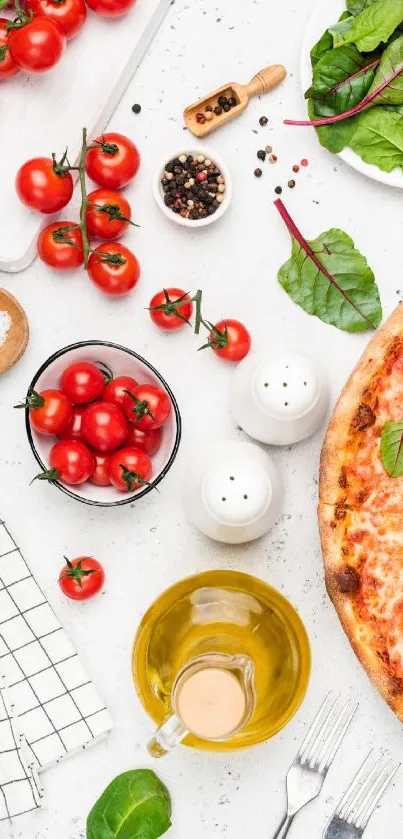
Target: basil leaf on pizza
[392, 448]
[328, 277]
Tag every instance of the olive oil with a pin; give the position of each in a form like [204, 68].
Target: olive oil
[224, 613]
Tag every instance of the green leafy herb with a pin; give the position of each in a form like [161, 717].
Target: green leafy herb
[392, 448]
[373, 26]
[329, 278]
[344, 73]
[335, 136]
[355, 7]
[136, 805]
[324, 44]
[379, 138]
[339, 30]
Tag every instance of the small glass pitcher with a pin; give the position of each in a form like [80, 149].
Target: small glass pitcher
[238, 669]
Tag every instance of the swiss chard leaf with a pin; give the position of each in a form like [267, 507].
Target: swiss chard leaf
[325, 43]
[373, 26]
[355, 7]
[378, 138]
[340, 69]
[391, 62]
[392, 448]
[329, 278]
[136, 805]
[336, 136]
[339, 30]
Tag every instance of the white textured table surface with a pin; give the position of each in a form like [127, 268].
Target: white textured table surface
[148, 547]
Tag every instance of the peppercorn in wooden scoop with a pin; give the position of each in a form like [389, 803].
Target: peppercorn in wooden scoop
[229, 101]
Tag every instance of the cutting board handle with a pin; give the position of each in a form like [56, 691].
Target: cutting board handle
[266, 79]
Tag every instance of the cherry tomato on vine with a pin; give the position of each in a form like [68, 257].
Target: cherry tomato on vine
[129, 469]
[229, 339]
[43, 185]
[104, 426]
[111, 8]
[147, 406]
[70, 461]
[99, 476]
[37, 45]
[171, 308]
[149, 441]
[50, 411]
[113, 160]
[8, 67]
[82, 382]
[81, 578]
[115, 390]
[60, 245]
[113, 269]
[69, 14]
[72, 431]
[108, 215]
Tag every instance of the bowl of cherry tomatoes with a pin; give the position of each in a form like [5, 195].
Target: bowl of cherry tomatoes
[102, 423]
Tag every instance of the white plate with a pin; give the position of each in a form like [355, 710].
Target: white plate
[326, 14]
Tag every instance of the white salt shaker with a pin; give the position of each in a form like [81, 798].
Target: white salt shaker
[232, 491]
[278, 398]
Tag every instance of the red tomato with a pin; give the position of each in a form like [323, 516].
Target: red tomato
[114, 160]
[149, 441]
[110, 8]
[115, 390]
[72, 431]
[113, 269]
[69, 14]
[50, 410]
[81, 578]
[147, 406]
[108, 215]
[82, 382]
[165, 311]
[129, 469]
[7, 66]
[104, 426]
[99, 476]
[230, 339]
[70, 462]
[61, 247]
[40, 187]
[37, 46]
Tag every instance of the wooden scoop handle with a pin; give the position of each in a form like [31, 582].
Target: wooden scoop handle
[266, 79]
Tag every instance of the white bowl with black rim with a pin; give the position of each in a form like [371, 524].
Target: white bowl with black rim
[159, 194]
[122, 361]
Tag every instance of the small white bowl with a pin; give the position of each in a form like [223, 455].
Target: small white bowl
[159, 192]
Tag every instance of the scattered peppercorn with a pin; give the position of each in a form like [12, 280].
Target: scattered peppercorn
[273, 158]
[295, 168]
[269, 149]
[291, 184]
[261, 154]
[263, 121]
[136, 109]
[193, 186]
[304, 162]
[258, 173]
[278, 190]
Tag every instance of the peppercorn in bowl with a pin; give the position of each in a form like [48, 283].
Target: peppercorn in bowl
[193, 188]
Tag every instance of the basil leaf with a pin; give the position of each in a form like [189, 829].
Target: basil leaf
[378, 138]
[136, 805]
[392, 448]
[329, 278]
[336, 136]
[374, 25]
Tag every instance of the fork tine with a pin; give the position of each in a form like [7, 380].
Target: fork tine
[305, 745]
[309, 751]
[374, 795]
[355, 785]
[333, 742]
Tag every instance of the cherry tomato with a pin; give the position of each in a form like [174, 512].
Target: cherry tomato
[230, 339]
[37, 46]
[165, 311]
[81, 578]
[69, 14]
[129, 469]
[149, 441]
[115, 159]
[70, 462]
[82, 382]
[104, 426]
[60, 245]
[8, 67]
[72, 431]
[99, 476]
[111, 8]
[50, 411]
[108, 215]
[115, 390]
[40, 187]
[113, 269]
[147, 406]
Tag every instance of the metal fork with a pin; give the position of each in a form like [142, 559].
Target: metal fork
[307, 774]
[357, 805]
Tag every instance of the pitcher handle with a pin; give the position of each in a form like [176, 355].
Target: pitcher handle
[169, 735]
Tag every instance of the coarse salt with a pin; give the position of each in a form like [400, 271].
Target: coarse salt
[5, 324]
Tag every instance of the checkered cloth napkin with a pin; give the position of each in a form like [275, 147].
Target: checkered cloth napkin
[49, 708]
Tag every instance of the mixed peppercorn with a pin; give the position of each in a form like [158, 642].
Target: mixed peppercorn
[193, 186]
[224, 105]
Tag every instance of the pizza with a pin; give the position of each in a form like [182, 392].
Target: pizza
[361, 512]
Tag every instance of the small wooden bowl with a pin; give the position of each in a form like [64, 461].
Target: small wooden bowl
[16, 339]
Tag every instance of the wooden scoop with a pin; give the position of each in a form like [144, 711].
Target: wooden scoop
[263, 82]
[16, 337]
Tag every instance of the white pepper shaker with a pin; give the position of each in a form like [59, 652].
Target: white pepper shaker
[232, 491]
[278, 398]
